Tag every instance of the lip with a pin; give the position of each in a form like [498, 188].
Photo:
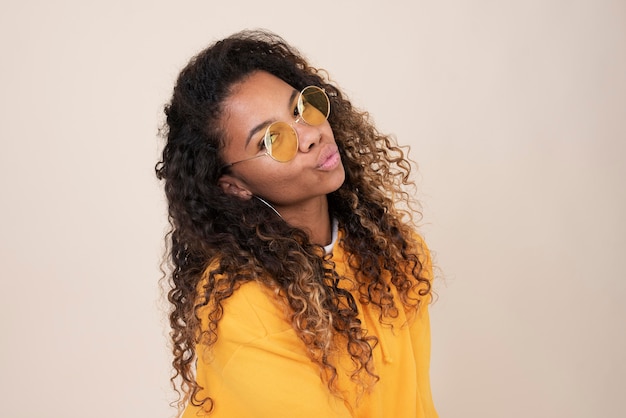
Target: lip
[329, 158]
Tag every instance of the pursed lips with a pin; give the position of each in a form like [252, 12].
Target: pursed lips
[328, 154]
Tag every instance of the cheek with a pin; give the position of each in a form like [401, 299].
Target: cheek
[328, 131]
[275, 182]
[266, 180]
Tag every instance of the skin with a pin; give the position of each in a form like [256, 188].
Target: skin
[298, 188]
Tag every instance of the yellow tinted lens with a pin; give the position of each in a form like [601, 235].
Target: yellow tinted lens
[313, 105]
[281, 141]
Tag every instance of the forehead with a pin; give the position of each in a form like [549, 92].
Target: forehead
[256, 90]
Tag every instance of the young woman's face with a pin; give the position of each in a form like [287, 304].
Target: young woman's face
[316, 169]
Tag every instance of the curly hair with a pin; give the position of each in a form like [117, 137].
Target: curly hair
[217, 241]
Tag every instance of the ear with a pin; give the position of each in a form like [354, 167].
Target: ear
[233, 186]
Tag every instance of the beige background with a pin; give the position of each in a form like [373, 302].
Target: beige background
[516, 114]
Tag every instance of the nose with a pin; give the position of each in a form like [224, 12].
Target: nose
[308, 136]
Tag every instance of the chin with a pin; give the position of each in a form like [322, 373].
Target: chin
[339, 179]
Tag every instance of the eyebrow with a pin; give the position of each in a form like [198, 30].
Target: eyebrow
[261, 125]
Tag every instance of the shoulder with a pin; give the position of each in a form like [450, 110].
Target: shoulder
[423, 253]
[253, 311]
[416, 245]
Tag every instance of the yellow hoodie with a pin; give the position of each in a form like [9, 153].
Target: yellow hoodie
[259, 367]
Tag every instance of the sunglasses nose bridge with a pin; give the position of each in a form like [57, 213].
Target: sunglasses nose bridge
[297, 120]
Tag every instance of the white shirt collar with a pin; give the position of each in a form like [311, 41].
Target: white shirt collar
[333, 239]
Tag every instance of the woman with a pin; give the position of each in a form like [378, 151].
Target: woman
[298, 288]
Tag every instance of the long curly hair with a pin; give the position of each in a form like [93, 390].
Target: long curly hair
[217, 241]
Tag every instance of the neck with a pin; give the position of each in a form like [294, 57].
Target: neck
[312, 217]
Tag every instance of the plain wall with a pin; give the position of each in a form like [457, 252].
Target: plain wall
[516, 116]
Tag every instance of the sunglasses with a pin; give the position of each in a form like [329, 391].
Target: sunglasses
[281, 139]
